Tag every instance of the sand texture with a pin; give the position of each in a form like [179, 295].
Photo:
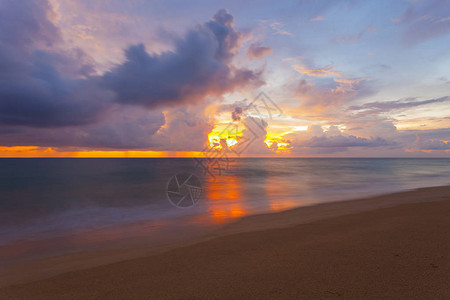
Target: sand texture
[355, 249]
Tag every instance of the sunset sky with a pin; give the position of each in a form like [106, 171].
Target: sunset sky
[140, 78]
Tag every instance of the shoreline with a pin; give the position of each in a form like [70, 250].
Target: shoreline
[315, 212]
[249, 225]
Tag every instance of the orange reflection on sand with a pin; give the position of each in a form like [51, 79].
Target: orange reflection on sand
[279, 205]
[230, 213]
[225, 197]
[276, 190]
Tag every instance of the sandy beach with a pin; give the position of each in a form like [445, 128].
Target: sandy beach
[391, 246]
[224, 149]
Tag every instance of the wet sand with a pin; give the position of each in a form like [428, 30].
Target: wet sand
[392, 246]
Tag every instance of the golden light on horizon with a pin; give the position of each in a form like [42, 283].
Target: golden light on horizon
[48, 152]
[282, 144]
[228, 133]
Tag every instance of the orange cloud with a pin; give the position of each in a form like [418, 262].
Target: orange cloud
[318, 18]
[347, 86]
[317, 72]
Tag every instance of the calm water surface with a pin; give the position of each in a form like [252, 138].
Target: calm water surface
[54, 206]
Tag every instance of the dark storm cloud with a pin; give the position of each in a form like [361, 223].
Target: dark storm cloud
[45, 85]
[25, 23]
[51, 96]
[38, 87]
[200, 65]
[124, 128]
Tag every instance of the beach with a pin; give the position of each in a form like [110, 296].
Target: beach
[224, 150]
[389, 246]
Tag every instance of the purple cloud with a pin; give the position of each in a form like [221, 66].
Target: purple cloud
[342, 141]
[50, 95]
[425, 21]
[424, 143]
[397, 104]
[256, 51]
[200, 65]
[38, 87]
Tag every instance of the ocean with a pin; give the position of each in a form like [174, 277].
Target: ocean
[59, 206]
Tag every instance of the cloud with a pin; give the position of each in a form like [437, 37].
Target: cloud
[424, 21]
[51, 95]
[353, 39]
[278, 28]
[231, 106]
[253, 136]
[328, 70]
[186, 129]
[45, 88]
[39, 87]
[25, 24]
[432, 144]
[343, 141]
[327, 94]
[397, 104]
[316, 19]
[236, 113]
[316, 140]
[121, 128]
[257, 51]
[104, 28]
[348, 86]
[199, 66]
[125, 128]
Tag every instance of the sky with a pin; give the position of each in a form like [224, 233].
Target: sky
[140, 78]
